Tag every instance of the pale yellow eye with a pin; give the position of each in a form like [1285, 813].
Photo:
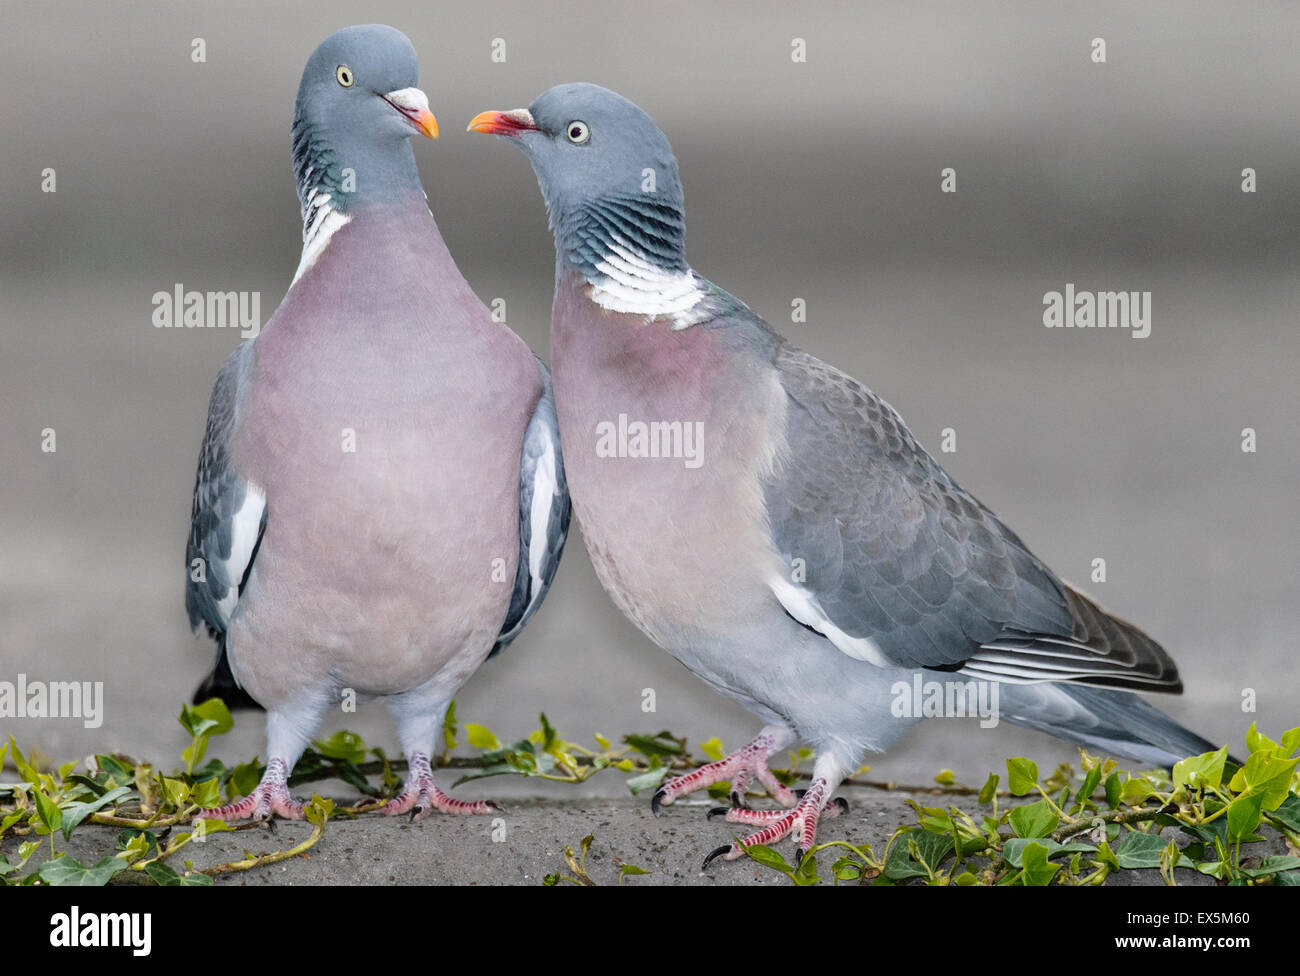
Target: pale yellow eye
[344, 75]
[578, 132]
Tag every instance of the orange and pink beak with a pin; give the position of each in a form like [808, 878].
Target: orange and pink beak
[513, 123]
[413, 105]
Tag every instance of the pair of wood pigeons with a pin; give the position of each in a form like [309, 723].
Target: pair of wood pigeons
[382, 499]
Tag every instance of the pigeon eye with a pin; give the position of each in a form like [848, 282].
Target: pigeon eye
[344, 75]
[578, 133]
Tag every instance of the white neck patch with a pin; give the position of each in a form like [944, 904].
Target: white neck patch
[320, 221]
[636, 286]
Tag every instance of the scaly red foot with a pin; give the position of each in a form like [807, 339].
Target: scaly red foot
[422, 796]
[270, 796]
[738, 768]
[802, 821]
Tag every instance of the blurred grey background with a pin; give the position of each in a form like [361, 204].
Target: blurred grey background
[817, 180]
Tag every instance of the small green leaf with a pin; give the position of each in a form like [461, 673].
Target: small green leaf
[713, 748]
[945, 777]
[990, 789]
[1244, 815]
[847, 868]
[449, 727]
[214, 710]
[481, 737]
[1114, 787]
[645, 781]
[660, 744]
[768, 858]
[1135, 791]
[47, 810]
[166, 876]
[1022, 775]
[77, 812]
[343, 745]
[1090, 782]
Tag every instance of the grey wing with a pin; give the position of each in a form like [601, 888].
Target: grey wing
[544, 513]
[895, 564]
[227, 521]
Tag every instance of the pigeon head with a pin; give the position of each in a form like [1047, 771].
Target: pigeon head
[606, 171]
[357, 107]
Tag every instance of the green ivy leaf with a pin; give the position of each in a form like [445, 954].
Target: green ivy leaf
[1022, 775]
[1288, 813]
[343, 745]
[847, 868]
[645, 781]
[769, 858]
[1244, 815]
[1014, 848]
[1267, 776]
[75, 813]
[165, 875]
[65, 871]
[1114, 786]
[989, 789]
[1036, 872]
[1135, 791]
[481, 737]
[214, 710]
[899, 865]
[660, 744]
[713, 748]
[47, 810]
[1203, 771]
[1033, 820]
[1273, 865]
[931, 849]
[1090, 782]
[1138, 850]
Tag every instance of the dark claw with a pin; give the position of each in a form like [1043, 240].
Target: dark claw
[799, 854]
[656, 800]
[415, 812]
[719, 812]
[800, 793]
[493, 804]
[715, 854]
[842, 803]
[737, 801]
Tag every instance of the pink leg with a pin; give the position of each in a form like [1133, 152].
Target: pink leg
[801, 821]
[271, 795]
[738, 768]
[422, 796]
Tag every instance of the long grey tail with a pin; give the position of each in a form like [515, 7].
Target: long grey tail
[1115, 722]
